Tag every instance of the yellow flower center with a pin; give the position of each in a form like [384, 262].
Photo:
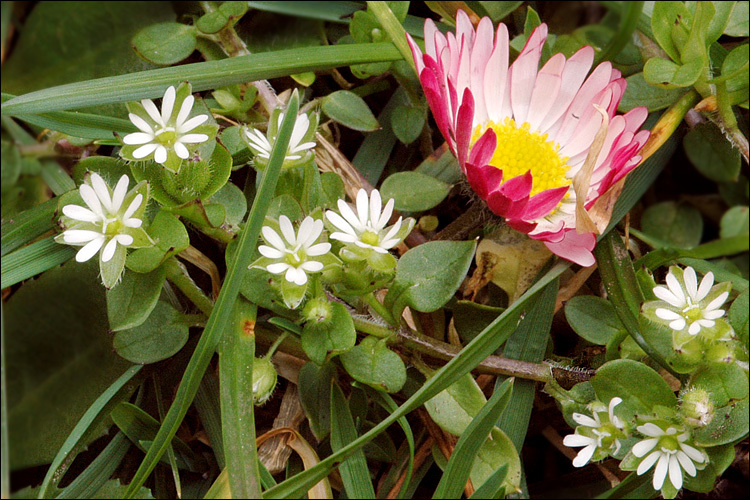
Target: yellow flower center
[692, 313]
[166, 136]
[519, 151]
[369, 238]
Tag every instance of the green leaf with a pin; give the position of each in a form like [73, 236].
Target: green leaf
[639, 386]
[162, 334]
[738, 315]
[641, 93]
[165, 43]
[11, 162]
[667, 74]
[711, 153]
[371, 362]
[51, 383]
[427, 276]
[171, 238]
[414, 192]
[719, 459]
[738, 20]
[454, 408]
[593, 318]
[735, 221]
[348, 109]
[315, 396]
[234, 202]
[131, 302]
[140, 428]
[665, 16]
[64, 42]
[728, 387]
[407, 123]
[354, 472]
[334, 335]
[92, 481]
[459, 465]
[678, 225]
[735, 67]
[498, 11]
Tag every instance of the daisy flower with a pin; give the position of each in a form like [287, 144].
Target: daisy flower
[110, 222]
[301, 142]
[667, 448]
[599, 435]
[294, 255]
[522, 134]
[684, 302]
[167, 136]
[366, 228]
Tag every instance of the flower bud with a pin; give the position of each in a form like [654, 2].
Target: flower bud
[317, 309]
[697, 407]
[721, 352]
[264, 380]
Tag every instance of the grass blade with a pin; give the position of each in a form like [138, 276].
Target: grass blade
[218, 322]
[203, 76]
[236, 355]
[478, 349]
[98, 410]
[34, 259]
[354, 472]
[4, 452]
[91, 480]
[207, 404]
[459, 465]
[493, 487]
[27, 225]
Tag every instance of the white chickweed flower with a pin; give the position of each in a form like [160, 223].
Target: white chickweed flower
[300, 143]
[168, 135]
[294, 254]
[600, 434]
[668, 449]
[685, 304]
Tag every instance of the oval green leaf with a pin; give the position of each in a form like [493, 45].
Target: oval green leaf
[159, 337]
[413, 191]
[348, 109]
[165, 43]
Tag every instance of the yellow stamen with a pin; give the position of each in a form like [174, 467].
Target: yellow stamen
[520, 150]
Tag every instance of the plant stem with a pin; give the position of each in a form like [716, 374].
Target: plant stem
[393, 27]
[668, 123]
[177, 273]
[379, 308]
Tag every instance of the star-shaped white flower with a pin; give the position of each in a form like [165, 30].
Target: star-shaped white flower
[262, 145]
[366, 228]
[684, 304]
[602, 432]
[166, 132]
[668, 449]
[294, 254]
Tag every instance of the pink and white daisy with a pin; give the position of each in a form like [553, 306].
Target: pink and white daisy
[522, 134]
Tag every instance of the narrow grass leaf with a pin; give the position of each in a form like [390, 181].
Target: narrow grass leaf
[218, 322]
[34, 259]
[459, 465]
[354, 472]
[493, 487]
[26, 226]
[98, 410]
[94, 477]
[207, 404]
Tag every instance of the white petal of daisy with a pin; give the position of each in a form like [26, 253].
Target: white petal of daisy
[675, 287]
[193, 138]
[346, 238]
[181, 150]
[691, 283]
[394, 229]
[340, 224]
[694, 328]
[306, 232]
[348, 214]
[664, 294]
[144, 151]
[109, 250]
[79, 213]
[584, 456]
[706, 323]
[271, 253]
[660, 473]
[134, 205]
[577, 440]
[102, 191]
[300, 128]
[292, 157]
[142, 125]
[362, 203]
[138, 138]
[651, 430]
[90, 249]
[581, 419]
[643, 447]
[287, 230]
[315, 233]
[376, 204]
[152, 111]
[611, 408]
[686, 463]
[706, 283]
[273, 238]
[648, 462]
[185, 109]
[666, 314]
[167, 104]
[132, 222]
[278, 267]
[302, 147]
[716, 314]
[124, 239]
[74, 236]
[693, 453]
[675, 472]
[118, 194]
[319, 249]
[160, 156]
[312, 266]
[386, 215]
[717, 302]
[678, 324]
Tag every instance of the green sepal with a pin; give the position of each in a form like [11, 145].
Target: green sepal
[111, 271]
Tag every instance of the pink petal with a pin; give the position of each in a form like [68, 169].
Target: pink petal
[543, 203]
[496, 77]
[482, 150]
[463, 127]
[523, 73]
[545, 92]
[575, 247]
